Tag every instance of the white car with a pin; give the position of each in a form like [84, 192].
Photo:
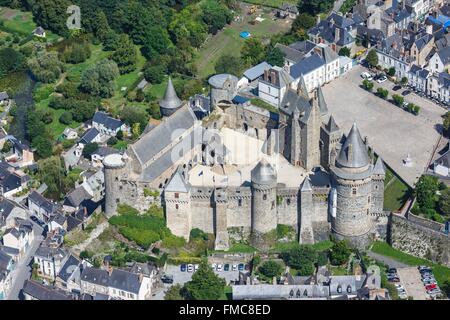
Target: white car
[190, 268]
[235, 267]
[220, 267]
[381, 79]
[366, 75]
[196, 266]
[214, 266]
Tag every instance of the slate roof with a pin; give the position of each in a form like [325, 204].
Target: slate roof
[124, 280]
[264, 173]
[104, 151]
[444, 55]
[257, 71]
[353, 153]
[89, 136]
[73, 222]
[59, 219]
[9, 179]
[42, 202]
[170, 100]
[5, 260]
[331, 126]
[418, 71]
[150, 144]
[70, 266]
[107, 121]
[306, 186]
[49, 253]
[379, 167]
[444, 79]
[178, 183]
[4, 96]
[6, 207]
[290, 54]
[423, 41]
[39, 31]
[307, 65]
[76, 197]
[304, 47]
[279, 292]
[292, 102]
[96, 276]
[43, 292]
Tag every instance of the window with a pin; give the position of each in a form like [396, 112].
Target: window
[368, 199]
[288, 201]
[176, 206]
[265, 197]
[339, 289]
[177, 195]
[273, 205]
[240, 202]
[349, 289]
[354, 191]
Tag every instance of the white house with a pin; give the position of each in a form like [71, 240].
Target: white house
[273, 85]
[108, 125]
[418, 78]
[49, 261]
[440, 61]
[19, 237]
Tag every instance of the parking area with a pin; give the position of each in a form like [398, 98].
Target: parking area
[392, 132]
[411, 280]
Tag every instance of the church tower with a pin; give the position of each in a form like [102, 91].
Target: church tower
[170, 103]
[330, 136]
[311, 136]
[352, 175]
[264, 202]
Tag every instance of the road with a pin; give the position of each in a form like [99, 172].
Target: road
[386, 260]
[22, 270]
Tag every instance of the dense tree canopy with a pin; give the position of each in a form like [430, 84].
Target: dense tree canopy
[205, 284]
[302, 259]
[339, 253]
[275, 57]
[11, 61]
[99, 80]
[51, 14]
[229, 64]
[46, 66]
[125, 55]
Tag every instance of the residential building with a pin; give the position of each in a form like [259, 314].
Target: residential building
[33, 290]
[287, 10]
[9, 212]
[107, 125]
[274, 85]
[39, 32]
[19, 237]
[253, 74]
[49, 261]
[92, 135]
[69, 275]
[418, 78]
[20, 155]
[42, 207]
[440, 61]
[6, 266]
[70, 134]
[100, 154]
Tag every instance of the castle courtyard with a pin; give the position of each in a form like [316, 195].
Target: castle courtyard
[393, 132]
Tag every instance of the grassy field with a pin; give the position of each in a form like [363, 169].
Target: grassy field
[229, 42]
[271, 3]
[441, 272]
[396, 191]
[20, 23]
[74, 71]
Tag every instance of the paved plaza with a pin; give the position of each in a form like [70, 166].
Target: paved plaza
[394, 133]
[411, 281]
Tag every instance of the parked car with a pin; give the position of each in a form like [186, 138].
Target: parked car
[220, 267]
[427, 282]
[241, 267]
[431, 287]
[167, 279]
[235, 267]
[392, 270]
[396, 88]
[367, 76]
[183, 268]
[226, 267]
[196, 266]
[190, 268]
[214, 266]
[394, 279]
[247, 267]
[406, 92]
[381, 79]
[434, 292]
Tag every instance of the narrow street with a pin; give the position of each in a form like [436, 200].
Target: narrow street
[22, 270]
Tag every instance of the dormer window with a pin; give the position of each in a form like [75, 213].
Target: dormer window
[339, 289]
[349, 289]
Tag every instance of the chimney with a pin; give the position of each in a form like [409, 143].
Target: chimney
[337, 34]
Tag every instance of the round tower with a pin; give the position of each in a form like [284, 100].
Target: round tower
[223, 89]
[352, 175]
[170, 103]
[113, 168]
[264, 201]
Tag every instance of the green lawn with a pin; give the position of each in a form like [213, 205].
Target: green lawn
[74, 71]
[441, 272]
[240, 248]
[229, 42]
[396, 191]
[338, 271]
[271, 3]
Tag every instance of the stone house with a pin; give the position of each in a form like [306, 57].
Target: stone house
[49, 261]
[107, 125]
[440, 61]
[33, 290]
[9, 212]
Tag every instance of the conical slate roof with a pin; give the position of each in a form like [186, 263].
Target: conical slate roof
[170, 100]
[379, 167]
[353, 153]
[264, 173]
[306, 185]
[331, 125]
[177, 183]
[322, 104]
[302, 89]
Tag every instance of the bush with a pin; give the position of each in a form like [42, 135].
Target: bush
[391, 72]
[66, 118]
[112, 141]
[302, 259]
[322, 259]
[368, 85]
[398, 100]
[382, 93]
[270, 269]
[339, 253]
[198, 234]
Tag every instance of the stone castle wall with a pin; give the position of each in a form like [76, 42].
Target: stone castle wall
[419, 238]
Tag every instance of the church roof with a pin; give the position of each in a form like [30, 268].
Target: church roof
[264, 173]
[322, 103]
[379, 167]
[353, 153]
[170, 100]
[177, 183]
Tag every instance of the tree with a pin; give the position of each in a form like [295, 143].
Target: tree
[119, 135]
[446, 288]
[367, 85]
[314, 7]
[270, 269]
[51, 14]
[391, 72]
[112, 141]
[344, 52]
[253, 51]
[89, 149]
[446, 123]
[7, 146]
[382, 93]
[339, 253]
[276, 57]
[372, 58]
[444, 202]
[404, 81]
[66, 118]
[205, 284]
[11, 61]
[174, 293]
[398, 100]
[216, 15]
[155, 73]
[125, 55]
[99, 80]
[302, 259]
[132, 115]
[425, 191]
[155, 111]
[46, 67]
[303, 21]
[43, 145]
[229, 64]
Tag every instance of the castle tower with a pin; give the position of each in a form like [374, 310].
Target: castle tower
[177, 203]
[264, 201]
[295, 156]
[330, 136]
[306, 234]
[311, 137]
[378, 177]
[221, 223]
[223, 89]
[113, 166]
[352, 175]
[170, 103]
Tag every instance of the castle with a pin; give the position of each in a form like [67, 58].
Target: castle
[255, 171]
